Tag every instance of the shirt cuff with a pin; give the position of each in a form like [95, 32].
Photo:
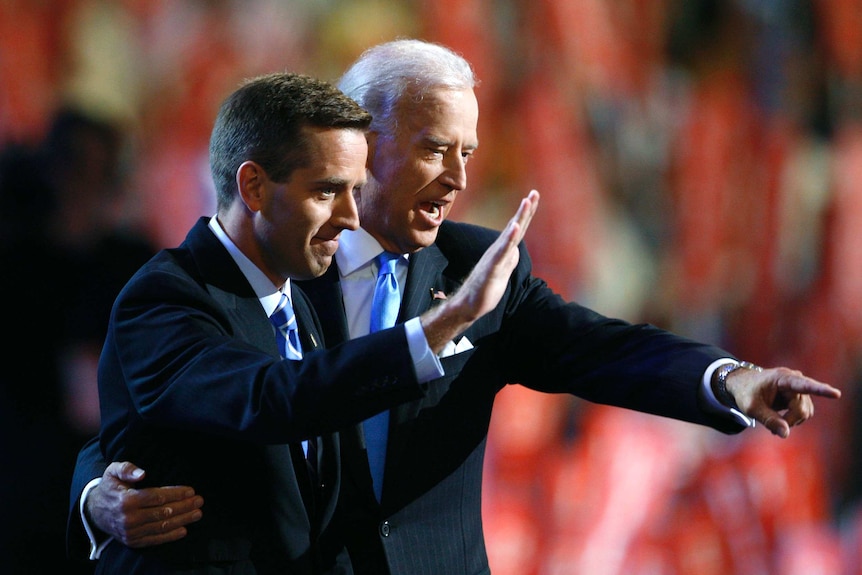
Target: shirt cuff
[425, 362]
[96, 547]
[712, 402]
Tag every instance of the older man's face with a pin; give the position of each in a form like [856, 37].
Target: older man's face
[416, 173]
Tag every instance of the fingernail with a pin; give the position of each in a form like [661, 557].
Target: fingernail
[137, 473]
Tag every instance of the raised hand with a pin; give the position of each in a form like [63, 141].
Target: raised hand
[485, 285]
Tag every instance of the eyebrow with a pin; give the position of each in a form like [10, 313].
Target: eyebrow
[448, 143]
[337, 182]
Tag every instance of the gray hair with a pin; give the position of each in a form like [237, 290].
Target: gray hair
[386, 73]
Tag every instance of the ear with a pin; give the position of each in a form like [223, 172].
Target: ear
[251, 182]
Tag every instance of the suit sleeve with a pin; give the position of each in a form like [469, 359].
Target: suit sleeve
[176, 358]
[562, 347]
[541, 341]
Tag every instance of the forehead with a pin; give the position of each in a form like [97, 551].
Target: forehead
[335, 151]
[446, 114]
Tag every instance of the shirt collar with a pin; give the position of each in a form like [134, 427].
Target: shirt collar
[356, 249]
[268, 294]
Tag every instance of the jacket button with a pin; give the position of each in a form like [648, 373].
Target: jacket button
[384, 529]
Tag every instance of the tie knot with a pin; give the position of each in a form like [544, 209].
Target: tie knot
[284, 321]
[283, 311]
[386, 263]
[387, 299]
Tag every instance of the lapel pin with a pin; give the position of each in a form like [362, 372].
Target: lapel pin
[437, 294]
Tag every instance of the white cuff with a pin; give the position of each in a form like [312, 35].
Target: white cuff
[96, 547]
[425, 362]
[713, 403]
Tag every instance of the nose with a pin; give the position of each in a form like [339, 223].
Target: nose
[455, 173]
[345, 214]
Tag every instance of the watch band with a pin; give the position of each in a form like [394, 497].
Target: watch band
[721, 374]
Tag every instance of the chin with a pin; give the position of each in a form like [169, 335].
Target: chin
[321, 267]
[425, 238]
[313, 269]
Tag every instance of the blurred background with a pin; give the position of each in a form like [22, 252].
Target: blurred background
[700, 164]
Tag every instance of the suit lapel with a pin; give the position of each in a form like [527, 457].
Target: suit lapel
[324, 294]
[308, 331]
[229, 287]
[424, 274]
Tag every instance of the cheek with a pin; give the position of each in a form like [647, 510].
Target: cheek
[396, 170]
[296, 225]
[446, 209]
[390, 176]
[315, 220]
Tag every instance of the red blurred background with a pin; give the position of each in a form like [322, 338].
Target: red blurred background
[700, 164]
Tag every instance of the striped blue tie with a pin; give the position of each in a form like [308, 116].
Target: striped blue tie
[384, 313]
[284, 321]
[287, 337]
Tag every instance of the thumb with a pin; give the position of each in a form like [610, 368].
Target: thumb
[773, 421]
[126, 471]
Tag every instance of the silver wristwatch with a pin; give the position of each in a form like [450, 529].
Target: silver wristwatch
[721, 393]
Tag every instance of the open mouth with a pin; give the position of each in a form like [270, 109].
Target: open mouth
[433, 209]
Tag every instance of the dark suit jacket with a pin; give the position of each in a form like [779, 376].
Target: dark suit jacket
[192, 390]
[429, 520]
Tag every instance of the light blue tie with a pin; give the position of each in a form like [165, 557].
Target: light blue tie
[284, 321]
[289, 347]
[384, 312]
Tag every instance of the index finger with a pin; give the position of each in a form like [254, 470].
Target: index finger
[158, 496]
[525, 213]
[807, 385]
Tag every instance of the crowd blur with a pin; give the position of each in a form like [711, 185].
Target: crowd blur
[700, 164]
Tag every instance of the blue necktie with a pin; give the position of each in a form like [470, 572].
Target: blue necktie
[384, 312]
[284, 321]
[287, 337]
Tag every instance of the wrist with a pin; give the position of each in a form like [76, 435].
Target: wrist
[98, 539]
[719, 382]
[444, 322]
